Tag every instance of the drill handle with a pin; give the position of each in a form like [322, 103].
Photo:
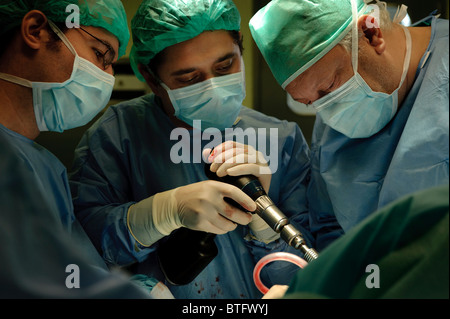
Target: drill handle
[249, 184]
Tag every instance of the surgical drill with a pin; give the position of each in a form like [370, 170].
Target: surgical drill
[267, 210]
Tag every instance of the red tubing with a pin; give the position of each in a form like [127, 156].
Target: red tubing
[279, 256]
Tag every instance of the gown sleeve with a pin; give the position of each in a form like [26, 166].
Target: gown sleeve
[100, 187]
[38, 255]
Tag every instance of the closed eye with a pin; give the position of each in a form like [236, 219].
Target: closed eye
[188, 78]
[225, 66]
[98, 53]
[100, 57]
[331, 87]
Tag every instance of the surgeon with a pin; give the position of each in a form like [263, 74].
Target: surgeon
[135, 180]
[381, 93]
[52, 78]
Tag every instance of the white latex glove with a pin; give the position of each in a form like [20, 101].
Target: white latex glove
[236, 159]
[198, 206]
[276, 292]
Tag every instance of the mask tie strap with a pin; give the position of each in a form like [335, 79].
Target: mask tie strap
[407, 55]
[63, 37]
[15, 79]
[401, 13]
[405, 64]
[355, 37]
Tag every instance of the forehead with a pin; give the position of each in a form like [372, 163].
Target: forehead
[204, 48]
[328, 64]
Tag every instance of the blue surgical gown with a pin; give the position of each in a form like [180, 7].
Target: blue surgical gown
[125, 158]
[39, 234]
[352, 178]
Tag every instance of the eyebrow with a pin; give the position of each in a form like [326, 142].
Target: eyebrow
[109, 47]
[226, 57]
[325, 83]
[190, 70]
[96, 39]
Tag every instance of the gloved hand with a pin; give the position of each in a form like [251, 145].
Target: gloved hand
[276, 292]
[198, 206]
[236, 159]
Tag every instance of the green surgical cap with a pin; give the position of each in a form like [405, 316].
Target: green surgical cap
[159, 24]
[292, 35]
[106, 14]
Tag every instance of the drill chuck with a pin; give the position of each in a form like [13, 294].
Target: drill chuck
[267, 210]
[275, 218]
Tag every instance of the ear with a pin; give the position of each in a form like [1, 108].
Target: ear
[34, 29]
[150, 79]
[372, 33]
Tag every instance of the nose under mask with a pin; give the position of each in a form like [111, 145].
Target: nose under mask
[216, 102]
